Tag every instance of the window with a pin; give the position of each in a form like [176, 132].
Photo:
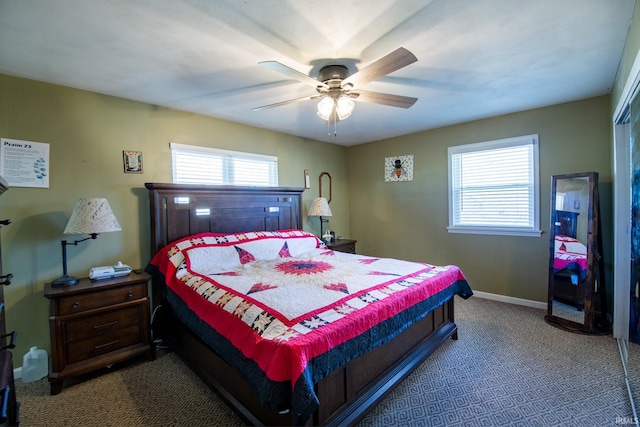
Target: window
[494, 187]
[203, 165]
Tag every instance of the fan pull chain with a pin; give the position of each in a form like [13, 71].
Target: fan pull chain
[335, 124]
[333, 116]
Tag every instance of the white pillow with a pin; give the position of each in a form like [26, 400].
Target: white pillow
[212, 259]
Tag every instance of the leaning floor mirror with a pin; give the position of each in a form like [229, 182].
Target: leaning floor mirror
[577, 293]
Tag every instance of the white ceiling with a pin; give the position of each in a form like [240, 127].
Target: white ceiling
[476, 58]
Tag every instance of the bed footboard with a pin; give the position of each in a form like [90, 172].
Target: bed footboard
[345, 395]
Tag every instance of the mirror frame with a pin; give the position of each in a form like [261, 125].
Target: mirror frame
[593, 319]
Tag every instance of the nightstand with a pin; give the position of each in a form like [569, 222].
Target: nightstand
[343, 245]
[97, 323]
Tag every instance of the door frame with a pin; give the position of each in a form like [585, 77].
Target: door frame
[622, 220]
[622, 205]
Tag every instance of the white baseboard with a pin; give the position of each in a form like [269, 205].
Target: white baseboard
[511, 300]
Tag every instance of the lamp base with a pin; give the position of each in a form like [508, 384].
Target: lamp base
[65, 280]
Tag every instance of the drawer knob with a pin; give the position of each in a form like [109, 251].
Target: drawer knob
[75, 305]
[6, 280]
[130, 294]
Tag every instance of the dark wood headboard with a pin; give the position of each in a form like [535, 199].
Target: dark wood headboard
[179, 210]
[566, 223]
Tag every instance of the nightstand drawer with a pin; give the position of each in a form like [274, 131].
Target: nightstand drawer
[103, 344]
[343, 245]
[89, 326]
[349, 248]
[82, 302]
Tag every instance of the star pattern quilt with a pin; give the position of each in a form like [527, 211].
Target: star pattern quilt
[570, 255]
[284, 300]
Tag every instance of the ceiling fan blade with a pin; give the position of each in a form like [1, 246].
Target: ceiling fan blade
[290, 72]
[384, 98]
[290, 101]
[397, 59]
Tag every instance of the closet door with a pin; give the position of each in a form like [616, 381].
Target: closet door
[634, 127]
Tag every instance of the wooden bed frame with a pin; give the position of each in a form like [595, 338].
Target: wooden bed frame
[347, 393]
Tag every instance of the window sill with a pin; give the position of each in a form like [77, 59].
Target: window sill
[495, 231]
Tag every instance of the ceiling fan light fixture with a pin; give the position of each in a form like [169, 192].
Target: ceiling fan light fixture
[334, 86]
[344, 106]
[325, 107]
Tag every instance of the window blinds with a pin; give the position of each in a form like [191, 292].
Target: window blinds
[493, 185]
[203, 165]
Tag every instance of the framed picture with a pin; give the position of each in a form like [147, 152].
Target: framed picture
[132, 161]
[398, 168]
[307, 183]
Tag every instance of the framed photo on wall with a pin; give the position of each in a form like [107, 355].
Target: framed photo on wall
[132, 161]
[398, 168]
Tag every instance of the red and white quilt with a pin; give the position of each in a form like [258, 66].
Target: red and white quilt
[570, 255]
[283, 298]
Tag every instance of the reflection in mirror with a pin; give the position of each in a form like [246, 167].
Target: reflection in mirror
[570, 247]
[574, 273]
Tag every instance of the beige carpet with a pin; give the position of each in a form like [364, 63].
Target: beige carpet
[509, 367]
[159, 393]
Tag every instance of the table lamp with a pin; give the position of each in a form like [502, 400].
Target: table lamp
[320, 207]
[89, 216]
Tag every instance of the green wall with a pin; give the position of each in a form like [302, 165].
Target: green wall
[87, 133]
[408, 220]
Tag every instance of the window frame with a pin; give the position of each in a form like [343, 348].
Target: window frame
[226, 157]
[528, 140]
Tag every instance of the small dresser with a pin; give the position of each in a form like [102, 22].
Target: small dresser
[9, 407]
[97, 323]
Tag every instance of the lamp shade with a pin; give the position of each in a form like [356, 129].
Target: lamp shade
[92, 216]
[320, 207]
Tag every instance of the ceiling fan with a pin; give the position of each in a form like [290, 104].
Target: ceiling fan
[337, 89]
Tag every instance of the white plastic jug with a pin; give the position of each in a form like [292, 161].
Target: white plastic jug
[35, 365]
